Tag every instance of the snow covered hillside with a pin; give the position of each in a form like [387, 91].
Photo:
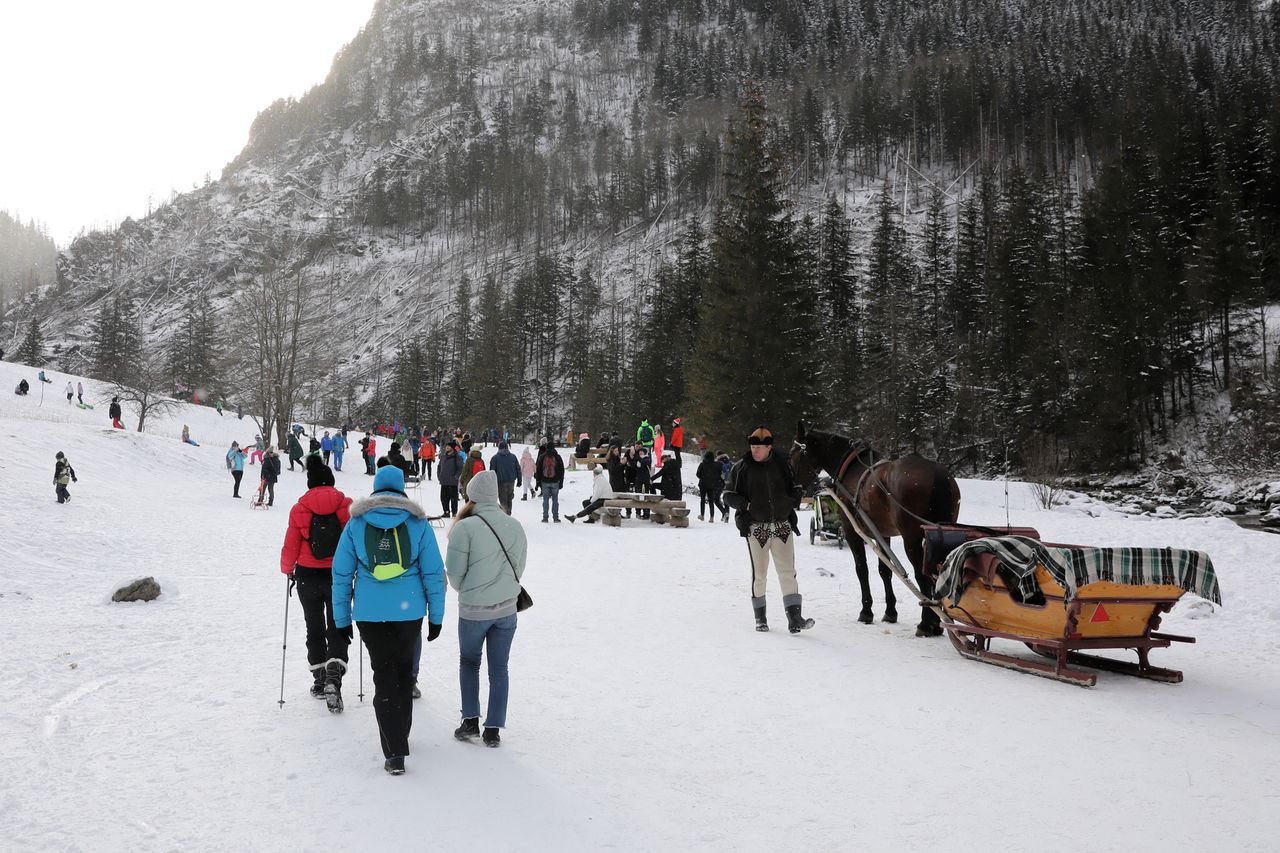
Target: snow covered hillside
[646, 714]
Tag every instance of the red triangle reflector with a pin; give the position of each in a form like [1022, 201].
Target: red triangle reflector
[1100, 615]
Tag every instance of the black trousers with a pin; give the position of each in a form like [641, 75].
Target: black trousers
[236, 475]
[711, 496]
[390, 646]
[449, 500]
[315, 593]
[270, 490]
[589, 507]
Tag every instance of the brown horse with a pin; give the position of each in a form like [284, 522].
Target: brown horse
[896, 495]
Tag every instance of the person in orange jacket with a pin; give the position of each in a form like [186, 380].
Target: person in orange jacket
[677, 436]
[426, 457]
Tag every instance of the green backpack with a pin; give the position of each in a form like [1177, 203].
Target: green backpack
[389, 552]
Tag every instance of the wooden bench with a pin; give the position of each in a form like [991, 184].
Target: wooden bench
[592, 460]
[661, 510]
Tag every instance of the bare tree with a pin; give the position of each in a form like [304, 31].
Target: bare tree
[282, 350]
[143, 387]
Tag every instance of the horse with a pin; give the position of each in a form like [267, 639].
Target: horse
[898, 495]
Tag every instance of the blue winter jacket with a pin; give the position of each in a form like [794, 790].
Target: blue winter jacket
[236, 458]
[506, 466]
[326, 444]
[339, 443]
[417, 592]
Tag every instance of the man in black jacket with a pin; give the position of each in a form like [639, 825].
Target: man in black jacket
[763, 491]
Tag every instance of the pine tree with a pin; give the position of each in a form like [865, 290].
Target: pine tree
[889, 283]
[755, 358]
[838, 317]
[31, 351]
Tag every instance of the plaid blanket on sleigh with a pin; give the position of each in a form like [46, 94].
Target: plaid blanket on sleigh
[1073, 568]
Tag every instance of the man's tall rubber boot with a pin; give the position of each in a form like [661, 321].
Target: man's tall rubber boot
[762, 624]
[795, 622]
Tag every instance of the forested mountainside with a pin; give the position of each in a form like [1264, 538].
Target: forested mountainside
[28, 258]
[992, 230]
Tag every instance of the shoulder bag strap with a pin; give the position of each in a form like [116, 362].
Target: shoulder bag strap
[500, 545]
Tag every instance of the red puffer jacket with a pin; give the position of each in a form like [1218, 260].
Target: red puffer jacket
[322, 500]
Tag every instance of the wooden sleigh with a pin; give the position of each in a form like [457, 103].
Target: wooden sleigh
[1102, 615]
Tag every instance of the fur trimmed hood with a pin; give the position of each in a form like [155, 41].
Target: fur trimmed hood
[386, 501]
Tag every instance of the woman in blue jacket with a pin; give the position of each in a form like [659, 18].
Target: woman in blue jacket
[389, 559]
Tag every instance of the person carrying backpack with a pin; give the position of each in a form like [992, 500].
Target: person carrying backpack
[63, 473]
[550, 476]
[310, 541]
[235, 464]
[388, 560]
[644, 434]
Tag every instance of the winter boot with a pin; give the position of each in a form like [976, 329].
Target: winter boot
[394, 766]
[762, 624]
[795, 622]
[470, 728]
[491, 738]
[333, 685]
[317, 683]
[417, 694]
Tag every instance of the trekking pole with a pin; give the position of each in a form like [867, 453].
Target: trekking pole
[361, 693]
[288, 587]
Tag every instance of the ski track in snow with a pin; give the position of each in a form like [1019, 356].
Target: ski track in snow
[646, 714]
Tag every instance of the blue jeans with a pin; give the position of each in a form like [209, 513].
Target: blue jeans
[472, 636]
[337, 460]
[551, 492]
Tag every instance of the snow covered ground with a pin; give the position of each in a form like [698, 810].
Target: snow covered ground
[646, 714]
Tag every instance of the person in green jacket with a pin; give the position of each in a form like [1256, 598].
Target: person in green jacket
[295, 450]
[485, 561]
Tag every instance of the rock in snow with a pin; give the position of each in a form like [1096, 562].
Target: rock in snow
[143, 589]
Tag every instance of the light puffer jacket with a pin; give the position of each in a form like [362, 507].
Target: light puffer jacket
[477, 568]
[417, 592]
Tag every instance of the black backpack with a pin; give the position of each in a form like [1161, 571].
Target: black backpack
[646, 434]
[324, 535]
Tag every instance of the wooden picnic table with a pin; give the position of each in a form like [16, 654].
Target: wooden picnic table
[661, 510]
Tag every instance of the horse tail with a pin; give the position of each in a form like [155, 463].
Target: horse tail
[943, 505]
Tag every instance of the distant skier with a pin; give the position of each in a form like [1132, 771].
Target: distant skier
[63, 473]
[315, 526]
[235, 464]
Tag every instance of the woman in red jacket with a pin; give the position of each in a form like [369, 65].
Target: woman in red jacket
[315, 524]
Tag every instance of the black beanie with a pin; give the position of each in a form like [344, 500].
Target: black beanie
[318, 473]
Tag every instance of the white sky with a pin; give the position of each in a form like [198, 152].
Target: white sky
[104, 102]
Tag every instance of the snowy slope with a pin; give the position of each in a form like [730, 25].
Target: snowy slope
[646, 713]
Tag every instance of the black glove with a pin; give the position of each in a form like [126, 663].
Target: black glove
[433, 631]
[292, 583]
[348, 632]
